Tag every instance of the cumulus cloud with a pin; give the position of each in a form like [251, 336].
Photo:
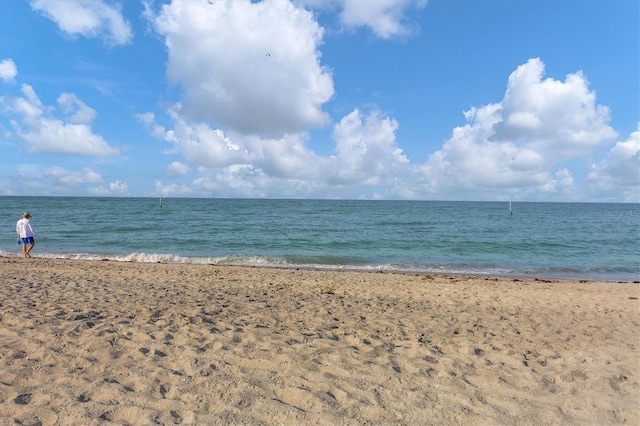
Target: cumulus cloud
[250, 67]
[148, 120]
[61, 176]
[199, 143]
[89, 18]
[175, 190]
[366, 149]
[8, 70]
[76, 110]
[529, 145]
[366, 153]
[115, 189]
[119, 188]
[209, 148]
[386, 18]
[25, 178]
[519, 144]
[178, 169]
[619, 171]
[560, 118]
[48, 180]
[45, 133]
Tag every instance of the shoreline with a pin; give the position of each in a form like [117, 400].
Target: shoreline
[137, 343]
[328, 268]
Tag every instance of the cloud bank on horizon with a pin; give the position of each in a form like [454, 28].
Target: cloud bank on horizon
[248, 99]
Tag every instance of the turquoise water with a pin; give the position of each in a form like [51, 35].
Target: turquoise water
[567, 240]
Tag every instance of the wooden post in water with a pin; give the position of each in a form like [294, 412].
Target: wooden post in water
[510, 209]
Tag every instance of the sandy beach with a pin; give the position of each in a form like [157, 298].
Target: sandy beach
[101, 342]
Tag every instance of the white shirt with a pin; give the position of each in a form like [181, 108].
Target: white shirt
[24, 229]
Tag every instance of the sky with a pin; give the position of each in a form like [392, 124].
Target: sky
[524, 100]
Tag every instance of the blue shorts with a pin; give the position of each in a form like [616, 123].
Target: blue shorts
[28, 240]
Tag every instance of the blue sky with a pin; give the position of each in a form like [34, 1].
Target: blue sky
[358, 99]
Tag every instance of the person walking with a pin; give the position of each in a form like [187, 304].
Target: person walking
[26, 234]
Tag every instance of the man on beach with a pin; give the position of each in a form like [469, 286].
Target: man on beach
[26, 234]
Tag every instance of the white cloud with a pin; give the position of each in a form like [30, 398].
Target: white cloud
[561, 118]
[285, 158]
[212, 149]
[89, 18]
[26, 178]
[517, 146]
[57, 137]
[238, 180]
[29, 107]
[386, 18]
[175, 190]
[251, 67]
[8, 70]
[178, 169]
[115, 189]
[77, 111]
[118, 187]
[46, 134]
[560, 182]
[61, 176]
[366, 149]
[148, 120]
[201, 144]
[619, 171]
[530, 145]
[366, 153]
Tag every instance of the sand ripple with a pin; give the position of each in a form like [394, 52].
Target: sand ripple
[96, 342]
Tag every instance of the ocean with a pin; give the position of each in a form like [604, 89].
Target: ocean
[553, 240]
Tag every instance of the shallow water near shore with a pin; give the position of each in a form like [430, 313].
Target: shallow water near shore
[563, 240]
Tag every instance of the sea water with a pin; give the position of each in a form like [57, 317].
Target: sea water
[564, 240]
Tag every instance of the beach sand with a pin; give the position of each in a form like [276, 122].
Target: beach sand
[100, 342]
